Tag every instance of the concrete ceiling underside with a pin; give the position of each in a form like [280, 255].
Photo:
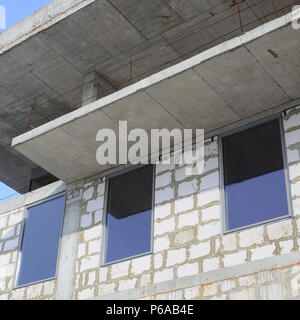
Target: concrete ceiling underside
[210, 91]
[59, 46]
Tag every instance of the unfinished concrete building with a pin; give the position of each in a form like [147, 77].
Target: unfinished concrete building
[81, 230]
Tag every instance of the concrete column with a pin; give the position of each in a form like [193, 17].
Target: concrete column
[92, 88]
[68, 249]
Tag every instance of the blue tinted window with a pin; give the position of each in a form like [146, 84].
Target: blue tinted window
[254, 177]
[129, 214]
[41, 241]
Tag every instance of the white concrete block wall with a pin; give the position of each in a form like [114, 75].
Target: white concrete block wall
[187, 236]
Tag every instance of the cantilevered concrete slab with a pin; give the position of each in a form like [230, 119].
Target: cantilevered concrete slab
[53, 50]
[249, 76]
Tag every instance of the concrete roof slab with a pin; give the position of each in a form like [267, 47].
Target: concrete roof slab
[279, 55]
[192, 101]
[211, 90]
[244, 84]
[141, 111]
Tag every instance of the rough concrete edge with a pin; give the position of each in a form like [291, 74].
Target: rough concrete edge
[39, 21]
[156, 78]
[32, 197]
[206, 278]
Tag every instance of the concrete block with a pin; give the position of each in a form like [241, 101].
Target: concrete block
[209, 230]
[188, 270]
[229, 242]
[104, 289]
[94, 246]
[262, 252]
[180, 173]
[145, 280]
[86, 220]
[101, 189]
[248, 294]
[295, 188]
[34, 291]
[188, 188]
[275, 291]
[7, 270]
[162, 243]
[165, 194]
[4, 259]
[15, 218]
[209, 181]
[126, 284]
[103, 272]
[247, 281]
[191, 293]
[141, 264]
[49, 288]
[158, 260]
[292, 137]
[211, 264]
[227, 285]
[211, 164]
[164, 226]
[120, 269]
[92, 233]
[200, 250]
[94, 205]
[176, 257]
[211, 213]
[90, 262]
[88, 194]
[232, 259]
[163, 211]
[184, 204]
[208, 196]
[11, 244]
[280, 230]
[3, 221]
[294, 170]
[98, 216]
[188, 219]
[86, 294]
[164, 167]
[81, 250]
[184, 237]
[293, 155]
[292, 122]
[210, 290]
[163, 180]
[164, 275]
[253, 236]
[8, 233]
[286, 246]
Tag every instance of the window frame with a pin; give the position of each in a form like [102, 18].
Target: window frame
[242, 128]
[104, 225]
[19, 248]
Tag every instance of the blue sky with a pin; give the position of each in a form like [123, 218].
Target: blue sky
[17, 10]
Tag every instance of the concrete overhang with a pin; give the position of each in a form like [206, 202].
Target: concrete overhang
[247, 77]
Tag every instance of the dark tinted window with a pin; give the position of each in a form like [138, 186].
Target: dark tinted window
[129, 214]
[254, 178]
[41, 241]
